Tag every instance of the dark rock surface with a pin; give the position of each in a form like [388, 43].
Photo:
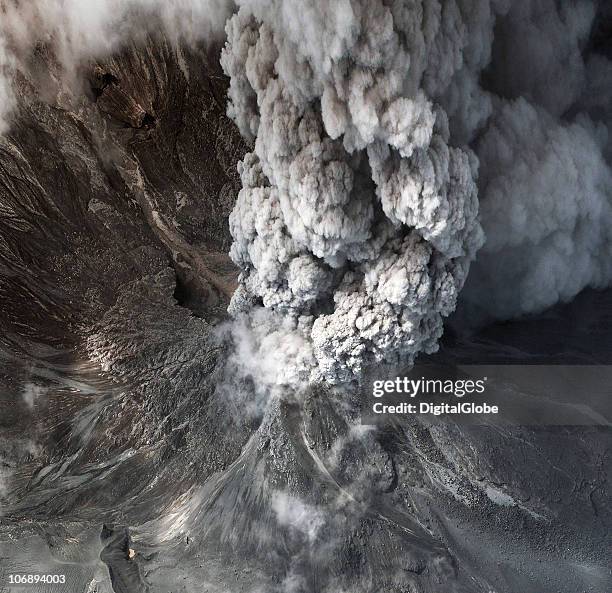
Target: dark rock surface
[115, 433]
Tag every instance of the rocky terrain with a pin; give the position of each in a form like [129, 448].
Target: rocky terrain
[132, 459]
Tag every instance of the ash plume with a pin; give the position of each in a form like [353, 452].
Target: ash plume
[373, 124]
[357, 218]
[545, 184]
[547, 210]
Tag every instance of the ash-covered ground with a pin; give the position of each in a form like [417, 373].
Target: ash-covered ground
[136, 455]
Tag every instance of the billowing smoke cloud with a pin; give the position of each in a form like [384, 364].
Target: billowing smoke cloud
[547, 209]
[357, 219]
[79, 30]
[545, 178]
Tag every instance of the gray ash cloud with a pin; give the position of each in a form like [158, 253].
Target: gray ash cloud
[357, 218]
[378, 129]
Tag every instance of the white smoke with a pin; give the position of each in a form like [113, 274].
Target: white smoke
[300, 516]
[32, 393]
[79, 30]
[268, 348]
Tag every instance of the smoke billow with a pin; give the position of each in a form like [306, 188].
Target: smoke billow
[547, 209]
[291, 511]
[373, 123]
[545, 178]
[357, 218]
